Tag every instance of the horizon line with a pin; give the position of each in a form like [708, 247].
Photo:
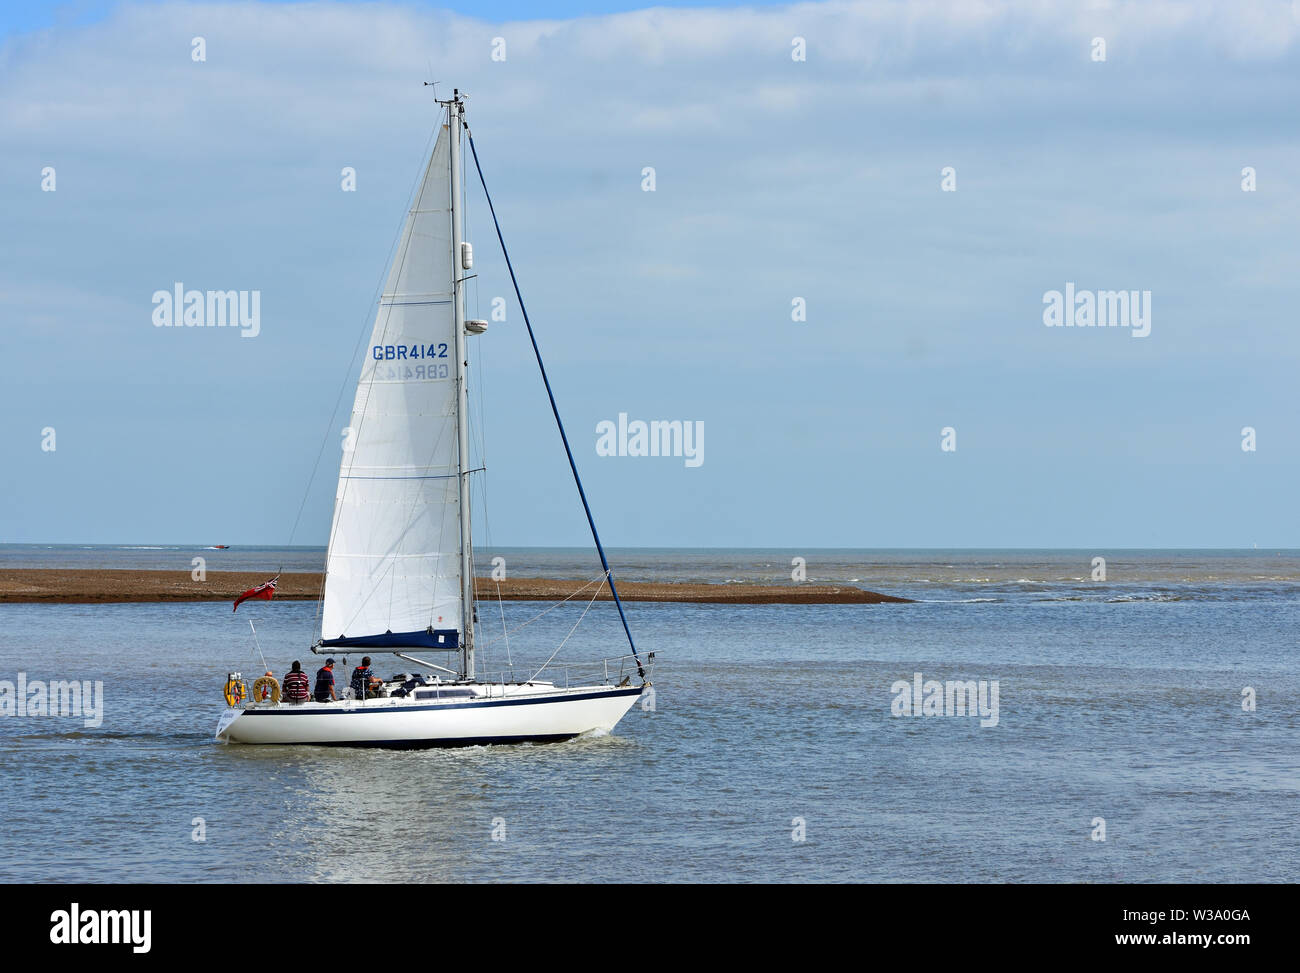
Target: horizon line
[639, 547]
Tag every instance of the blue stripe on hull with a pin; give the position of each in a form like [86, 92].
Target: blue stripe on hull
[433, 744]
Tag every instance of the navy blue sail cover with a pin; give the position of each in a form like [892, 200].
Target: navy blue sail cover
[442, 638]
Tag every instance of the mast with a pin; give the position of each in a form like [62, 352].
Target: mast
[455, 110]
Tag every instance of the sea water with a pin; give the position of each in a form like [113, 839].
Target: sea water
[1122, 751]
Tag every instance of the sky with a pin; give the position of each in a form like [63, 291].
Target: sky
[775, 179]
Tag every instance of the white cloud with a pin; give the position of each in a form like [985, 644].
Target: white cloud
[763, 163]
[325, 66]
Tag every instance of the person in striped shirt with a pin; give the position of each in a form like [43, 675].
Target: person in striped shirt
[296, 688]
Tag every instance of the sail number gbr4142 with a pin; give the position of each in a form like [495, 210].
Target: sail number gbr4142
[400, 363]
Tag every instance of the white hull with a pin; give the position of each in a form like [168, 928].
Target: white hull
[496, 714]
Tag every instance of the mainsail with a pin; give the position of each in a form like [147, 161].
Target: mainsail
[393, 572]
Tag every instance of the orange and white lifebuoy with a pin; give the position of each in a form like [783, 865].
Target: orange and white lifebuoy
[267, 687]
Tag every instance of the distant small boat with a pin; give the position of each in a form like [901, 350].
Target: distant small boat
[219, 547]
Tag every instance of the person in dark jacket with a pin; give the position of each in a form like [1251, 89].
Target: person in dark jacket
[325, 682]
[364, 679]
[295, 688]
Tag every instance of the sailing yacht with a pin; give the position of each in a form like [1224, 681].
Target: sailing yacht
[399, 571]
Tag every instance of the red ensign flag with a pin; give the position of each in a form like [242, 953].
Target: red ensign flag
[263, 591]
